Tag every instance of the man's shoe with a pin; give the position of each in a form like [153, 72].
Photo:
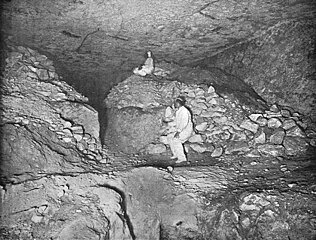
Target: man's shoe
[181, 161]
[173, 157]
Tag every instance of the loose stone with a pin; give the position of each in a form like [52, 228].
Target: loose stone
[198, 148]
[274, 123]
[249, 125]
[196, 138]
[201, 127]
[217, 152]
[277, 136]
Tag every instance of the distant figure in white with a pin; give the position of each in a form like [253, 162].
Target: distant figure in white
[182, 131]
[147, 68]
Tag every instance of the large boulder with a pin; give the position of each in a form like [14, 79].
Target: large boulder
[132, 128]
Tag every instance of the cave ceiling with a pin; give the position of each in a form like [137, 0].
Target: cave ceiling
[94, 35]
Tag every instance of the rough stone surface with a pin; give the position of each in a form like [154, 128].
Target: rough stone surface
[156, 148]
[294, 146]
[36, 120]
[249, 125]
[277, 136]
[71, 187]
[278, 64]
[273, 150]
[132, 129]
[219, 121]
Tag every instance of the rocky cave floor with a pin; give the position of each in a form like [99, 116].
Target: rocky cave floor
[225, 197]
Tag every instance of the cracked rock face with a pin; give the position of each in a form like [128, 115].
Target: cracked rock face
[96, 44]
[247, 69]
[59, 182]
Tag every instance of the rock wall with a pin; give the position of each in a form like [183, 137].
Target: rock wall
[58, 182]
[49, 135]
[279, 65]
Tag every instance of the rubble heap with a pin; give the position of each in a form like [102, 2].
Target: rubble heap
[223, 125]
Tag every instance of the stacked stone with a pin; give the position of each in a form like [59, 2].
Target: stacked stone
[35, 95]
[223, 127]
[222, 124]
[34, 64]
[84, 142]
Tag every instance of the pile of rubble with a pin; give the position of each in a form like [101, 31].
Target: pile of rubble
[34, 95]
[222, 124]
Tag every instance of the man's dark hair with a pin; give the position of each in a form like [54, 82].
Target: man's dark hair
[180, 100]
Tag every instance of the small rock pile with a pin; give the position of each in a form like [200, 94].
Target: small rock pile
[222, 124]
[35, 95]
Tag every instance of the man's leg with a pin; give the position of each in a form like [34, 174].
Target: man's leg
[170, 139]
[178, 150]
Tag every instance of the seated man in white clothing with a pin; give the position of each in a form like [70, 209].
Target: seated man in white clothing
[183, 130]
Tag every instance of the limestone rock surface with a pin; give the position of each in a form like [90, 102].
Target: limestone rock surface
[58, 182]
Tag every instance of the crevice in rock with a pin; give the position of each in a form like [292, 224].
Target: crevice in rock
[123, 204]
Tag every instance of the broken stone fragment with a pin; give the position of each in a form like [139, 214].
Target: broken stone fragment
[197, 111]
[78, 137]
[254, 117]
[196, 138]
[67, 132]
[67, 139]
[285, 113]
[253, 153]
[262, 121]
[249, 125]
[67, 124]
[191, 94]
[201, 127]
[274, 123]
[220, 120]
[60, 96]
[212, 101]
[25, 121]
[218, 151]
[302, 124]
[164, 140]
[237, 147]
[210, 114]
[42, 74]
[274, 108]
[77, 129]
[200, 105]
[253, 202]
[238, 135]
[211, 89]
[36, 219]
[288, 123]
[198, 147]
[260, 138]
[294, 145]
[92, 147]
[295, 132]
[271, 149]
[277, 136]
[156, 148]
[169, 113]
[199, 92]
[81, 146]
